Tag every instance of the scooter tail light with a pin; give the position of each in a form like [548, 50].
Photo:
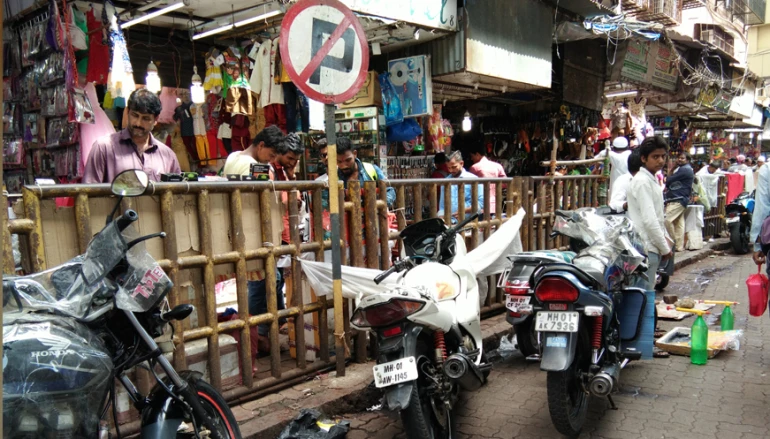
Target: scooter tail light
[384, 314]
[555, 289]
[516, 287]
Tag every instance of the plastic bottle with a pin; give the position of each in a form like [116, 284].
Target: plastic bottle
[699, 341]
[699, 337]
[728, 320]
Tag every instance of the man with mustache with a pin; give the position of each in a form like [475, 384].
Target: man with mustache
[134, 147]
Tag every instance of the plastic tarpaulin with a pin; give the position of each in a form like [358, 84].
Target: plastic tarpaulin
[487, 259]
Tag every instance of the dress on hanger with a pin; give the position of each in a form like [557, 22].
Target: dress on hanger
[120, 82]
[98, 52]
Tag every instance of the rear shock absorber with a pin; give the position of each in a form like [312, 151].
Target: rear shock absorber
[440, 345]
[596, 337]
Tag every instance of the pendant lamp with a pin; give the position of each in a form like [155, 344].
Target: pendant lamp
[152, 81]
[197, 93]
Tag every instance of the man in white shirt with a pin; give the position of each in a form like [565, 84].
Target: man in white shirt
[645, 206]
[619, 197]
[618, 159]
[263, 149]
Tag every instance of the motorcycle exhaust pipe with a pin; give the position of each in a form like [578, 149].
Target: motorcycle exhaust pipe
[460, 369]
[604, 382]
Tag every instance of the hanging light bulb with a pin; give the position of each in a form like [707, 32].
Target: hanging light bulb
[709, 135]
[732, 136]
[197, 93]
[152, 81]
[467, 122]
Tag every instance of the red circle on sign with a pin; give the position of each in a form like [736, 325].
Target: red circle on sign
[296, 76]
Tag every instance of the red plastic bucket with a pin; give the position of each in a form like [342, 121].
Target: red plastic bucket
[758, 284]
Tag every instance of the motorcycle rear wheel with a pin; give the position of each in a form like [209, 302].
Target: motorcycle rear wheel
[739, 238]
[426, 417]
[526, 337]
[218, 410]
[567, 400]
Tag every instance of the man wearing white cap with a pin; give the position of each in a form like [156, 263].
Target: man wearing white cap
[760, 162]
[618, 160]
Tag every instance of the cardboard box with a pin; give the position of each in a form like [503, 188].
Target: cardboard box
[369, 95]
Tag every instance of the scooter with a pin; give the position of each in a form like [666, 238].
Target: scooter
[427, 329]
[738, 214]
[71, 332]
[577, 315]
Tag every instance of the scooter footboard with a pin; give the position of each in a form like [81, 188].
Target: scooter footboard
[558, 350]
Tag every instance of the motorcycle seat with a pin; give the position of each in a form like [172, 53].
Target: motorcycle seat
[589, 280]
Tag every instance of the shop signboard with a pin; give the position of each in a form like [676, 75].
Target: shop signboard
[714, 98]
[438, 14]
[635, 62]
[651, 62]
[664, 70]
[324, 50]
[412, 80]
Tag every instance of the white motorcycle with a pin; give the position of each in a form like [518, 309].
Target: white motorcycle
[427, 320]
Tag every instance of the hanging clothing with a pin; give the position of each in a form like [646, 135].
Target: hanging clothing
[276, 115]
[638, 118]
[263, 76]
[297, 109]
[183, 115]
[735, 184]
[89, 133]
[213, 80]
[179, 148]
[98, 51]
[120, 81]
[199, 115]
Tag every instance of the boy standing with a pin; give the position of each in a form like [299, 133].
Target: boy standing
[645, 206]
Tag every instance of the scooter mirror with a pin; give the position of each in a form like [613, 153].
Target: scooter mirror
[130, 183]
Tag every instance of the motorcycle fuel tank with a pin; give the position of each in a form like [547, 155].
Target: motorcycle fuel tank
[56, 374]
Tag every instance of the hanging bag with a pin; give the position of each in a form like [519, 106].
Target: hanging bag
[391, 104]
[757, 284]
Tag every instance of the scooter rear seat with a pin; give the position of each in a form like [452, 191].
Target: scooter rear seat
[590, 280]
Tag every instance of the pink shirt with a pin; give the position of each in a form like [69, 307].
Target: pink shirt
[112, 154]
[486, 168]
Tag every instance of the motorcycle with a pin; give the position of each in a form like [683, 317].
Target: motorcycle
[70, 332]
[739, 213]
[427, 329]
[514, 282]
[577, 314]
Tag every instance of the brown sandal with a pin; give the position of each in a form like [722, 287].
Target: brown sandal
[660, 353]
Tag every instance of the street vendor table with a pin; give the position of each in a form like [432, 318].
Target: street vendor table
[693, 226]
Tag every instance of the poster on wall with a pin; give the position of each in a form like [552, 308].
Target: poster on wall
[715, 98]
[664, 71]
[412, 81]
[635, 63]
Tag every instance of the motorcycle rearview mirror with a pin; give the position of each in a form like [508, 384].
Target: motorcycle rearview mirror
[130, 183]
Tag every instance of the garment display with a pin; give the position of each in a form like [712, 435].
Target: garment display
[297, 109]
[98, 50]
[183, 115]
[262, 79]
[213, 80]
[177, 145]
[168, 105]
[638, 118]
[276, 115]
[89, 133]
[620, 118]
[120, 81]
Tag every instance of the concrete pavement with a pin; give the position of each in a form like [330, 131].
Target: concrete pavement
[662, 398]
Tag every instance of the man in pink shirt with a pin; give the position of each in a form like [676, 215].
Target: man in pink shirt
[485, 168]
[134, 147]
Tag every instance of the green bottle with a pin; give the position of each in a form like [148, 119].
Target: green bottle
[699, 340]
[728, 320]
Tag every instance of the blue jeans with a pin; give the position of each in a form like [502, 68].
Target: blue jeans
[296, 107]
[258, 299]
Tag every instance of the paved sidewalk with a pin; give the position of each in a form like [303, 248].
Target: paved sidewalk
[661, 398]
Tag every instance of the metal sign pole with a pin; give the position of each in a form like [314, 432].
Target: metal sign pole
[334, 210]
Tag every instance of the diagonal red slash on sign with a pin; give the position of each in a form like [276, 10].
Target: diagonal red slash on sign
[325, 49]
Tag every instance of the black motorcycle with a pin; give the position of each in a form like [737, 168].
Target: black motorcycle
[70, 332]
[738, 214]
[578, 306]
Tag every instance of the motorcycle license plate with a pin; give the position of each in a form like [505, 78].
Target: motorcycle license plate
[515, 303]
[734, 219]
[395, 372]
[550, 321]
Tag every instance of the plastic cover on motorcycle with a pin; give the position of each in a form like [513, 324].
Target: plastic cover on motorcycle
[487, 259]
[56, 375]
[611, 239]
[77, 286]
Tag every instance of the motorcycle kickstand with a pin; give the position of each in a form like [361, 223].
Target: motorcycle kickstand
[612, 403]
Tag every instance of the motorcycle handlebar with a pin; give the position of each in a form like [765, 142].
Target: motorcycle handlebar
[381, 277]
[126, 219]
[462, 224]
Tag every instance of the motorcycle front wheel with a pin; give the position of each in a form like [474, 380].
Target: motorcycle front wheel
[567, 400]
[739, 238]
[217, 409]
